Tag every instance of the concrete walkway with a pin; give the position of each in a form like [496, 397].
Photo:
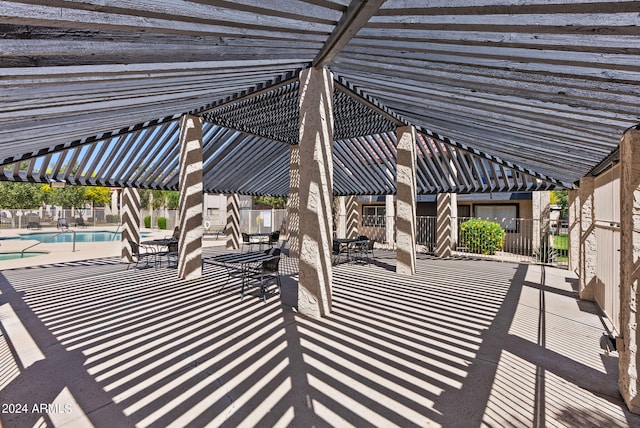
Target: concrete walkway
[462, 343]
[48, 253]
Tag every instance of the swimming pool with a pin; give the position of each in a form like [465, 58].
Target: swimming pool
[92, 236]
[18, 255]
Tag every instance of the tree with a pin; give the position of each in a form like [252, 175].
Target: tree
[98, 195]
[158, 198]
[70, 197]
[561, 199]
[21, 195]
[272, 201]
[172, 199]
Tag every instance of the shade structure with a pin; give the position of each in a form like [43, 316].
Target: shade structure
[507, 95]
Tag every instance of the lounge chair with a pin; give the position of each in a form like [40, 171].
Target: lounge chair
[62, 224]
[34, 225]
[80, 222]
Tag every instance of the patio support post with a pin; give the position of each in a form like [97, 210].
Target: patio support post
[541, 206]
[406, 201]
[390, 223]
[316, 192]
[587, 274]
[293, 203]
[341, 217]
[114, 202]
[627, 343]
[574, 230]
[353, 217]
[447, 213]
[190, 241]
[233, 222]
[130, 221]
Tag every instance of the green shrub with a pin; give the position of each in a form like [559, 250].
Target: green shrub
[147, 221]
[481, 236]
[162, 223]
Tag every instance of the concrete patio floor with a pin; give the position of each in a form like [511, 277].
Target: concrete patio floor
[463, 343]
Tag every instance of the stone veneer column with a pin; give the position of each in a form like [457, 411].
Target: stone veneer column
[316, 194]
[190, 241]
[587, 267]
[233, 222]
[130, 221]
[406, 201]
[353, 217]
[390, 224]
[293, 202]
[629, 359]
[447, 213]
[574, 230]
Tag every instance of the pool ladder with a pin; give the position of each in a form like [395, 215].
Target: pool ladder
[49, 239]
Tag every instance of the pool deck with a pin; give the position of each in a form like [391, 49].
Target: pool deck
[64, 252]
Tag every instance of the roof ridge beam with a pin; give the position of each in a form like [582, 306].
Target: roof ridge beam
[355, 17]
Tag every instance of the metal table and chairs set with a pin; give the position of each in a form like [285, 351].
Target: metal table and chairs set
[247, 265]
[152, 251]
[354, 249]
[260, 239]
[259, 265]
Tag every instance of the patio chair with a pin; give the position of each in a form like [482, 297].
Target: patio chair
[171, 254]
[246, 240]
[80, 222]
[62, 224]
[140, 253]
[34, 225]
[274, 238]
[337, 250]
[268, 269]
[365, 248]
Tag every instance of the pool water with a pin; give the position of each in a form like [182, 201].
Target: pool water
[17, 255]
[50, 238]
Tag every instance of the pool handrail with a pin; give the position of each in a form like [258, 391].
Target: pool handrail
[116, 232]
[49, 239]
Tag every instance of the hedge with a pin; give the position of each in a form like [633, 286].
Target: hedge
[481, 236]
[162, 223]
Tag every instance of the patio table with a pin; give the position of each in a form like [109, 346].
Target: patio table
[260, 238]
[160, 245]
[237, 264]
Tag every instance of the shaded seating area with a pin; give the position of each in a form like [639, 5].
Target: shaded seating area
[400, 360]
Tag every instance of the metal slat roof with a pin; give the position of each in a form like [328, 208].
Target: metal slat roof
[508, 94]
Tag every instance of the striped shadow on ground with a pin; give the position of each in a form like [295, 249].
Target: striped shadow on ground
[461, 343]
